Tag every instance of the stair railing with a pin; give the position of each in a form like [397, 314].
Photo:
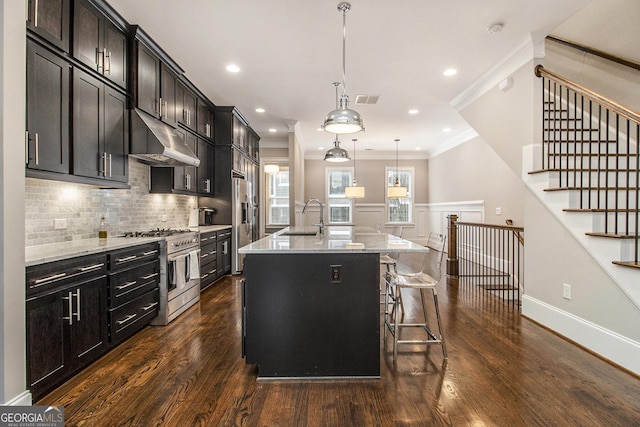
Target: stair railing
[489, 260]
[590, 144]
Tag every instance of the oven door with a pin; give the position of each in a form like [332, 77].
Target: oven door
[179, 273]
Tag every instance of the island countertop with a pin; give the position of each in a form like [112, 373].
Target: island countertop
[335, 239]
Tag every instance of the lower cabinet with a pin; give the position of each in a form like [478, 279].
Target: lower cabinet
[224, 252]
[215, 256]
[77, 309]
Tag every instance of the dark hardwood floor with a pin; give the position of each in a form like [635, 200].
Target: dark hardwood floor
[503, 370]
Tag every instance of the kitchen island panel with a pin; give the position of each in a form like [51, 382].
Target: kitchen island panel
[300, 324]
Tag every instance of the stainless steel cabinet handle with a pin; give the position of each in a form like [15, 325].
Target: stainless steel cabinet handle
[126, 319]
[26, 147]
[150, 306]
[125, 259]
[69, 298]
[104, 164]
[204, 276]
[203, 239]
[90, 267]
[149, 276]
[99, 60]
[35, 15]
[78, 305]
[37, 148]
[160, 107]
[106, 57]
[207, 185]
[203, 256]
[49, 278]
[150, 252]
[109, 165]
[126, 285]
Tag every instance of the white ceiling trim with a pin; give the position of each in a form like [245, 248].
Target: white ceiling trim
[525, 52]
[453, 142]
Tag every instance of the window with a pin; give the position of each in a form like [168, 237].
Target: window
[399, 210]
[339, 208]
[278, 197]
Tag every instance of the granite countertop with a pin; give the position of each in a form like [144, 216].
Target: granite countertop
[41, 254]
[335, 239]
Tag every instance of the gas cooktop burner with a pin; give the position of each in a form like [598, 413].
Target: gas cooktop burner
[158, 232]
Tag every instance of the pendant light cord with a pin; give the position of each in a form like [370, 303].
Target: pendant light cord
[397, 183]
[354, 162]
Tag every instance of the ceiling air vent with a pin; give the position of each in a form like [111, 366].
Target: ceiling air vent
[367, 99]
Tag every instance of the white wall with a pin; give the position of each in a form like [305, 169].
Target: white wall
[12, 280]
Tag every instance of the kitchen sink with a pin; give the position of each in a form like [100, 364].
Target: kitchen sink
[301, 231]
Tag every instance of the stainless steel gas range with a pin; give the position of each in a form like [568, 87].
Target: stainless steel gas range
[179, 271]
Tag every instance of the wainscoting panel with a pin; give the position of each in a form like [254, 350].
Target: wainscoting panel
[468, 211]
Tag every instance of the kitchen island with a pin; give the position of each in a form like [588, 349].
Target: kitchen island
[311, 302]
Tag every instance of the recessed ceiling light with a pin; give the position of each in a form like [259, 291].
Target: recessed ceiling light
[320, 148]
[446, 130]
[413, 111]
[260, 110]
[232, 68]
[273, 130]
[417, 148]
[450, 72]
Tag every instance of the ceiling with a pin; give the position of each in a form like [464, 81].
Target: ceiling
[290, 53]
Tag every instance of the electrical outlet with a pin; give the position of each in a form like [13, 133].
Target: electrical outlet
[163, 218]
[60, 224]
[566, 291]
[498, 211]
[336, 274]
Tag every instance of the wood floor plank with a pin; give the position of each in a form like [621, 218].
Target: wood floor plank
[503, 370]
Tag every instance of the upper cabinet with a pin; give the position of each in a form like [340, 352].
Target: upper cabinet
[186, 106]
[205, 120]
[99, 44]
[47, 130]
[49, 19]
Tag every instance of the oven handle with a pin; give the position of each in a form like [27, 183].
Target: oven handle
[187, 268]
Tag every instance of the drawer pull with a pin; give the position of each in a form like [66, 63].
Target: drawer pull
[150, 306]
[126, 319]
[204, 276]
[48, 279]
[204, 256]
[204, 239]
[212, 253]
[149, 276]
[150, 252]
[125, 259]
[91, 267]
[126, 285]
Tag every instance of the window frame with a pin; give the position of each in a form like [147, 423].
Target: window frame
[269, 198]
[410, 193]
[329, 197]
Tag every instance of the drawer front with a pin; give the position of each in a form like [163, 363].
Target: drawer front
[224, 234]
[135, 255]
[208, 252]
[208, 237]
[129, 318]
[208, 273]
[59, 274]
[133, 282]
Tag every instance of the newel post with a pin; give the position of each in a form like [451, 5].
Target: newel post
[452, 253]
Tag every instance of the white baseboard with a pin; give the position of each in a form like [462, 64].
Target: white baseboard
[23, 399]
[610, 345]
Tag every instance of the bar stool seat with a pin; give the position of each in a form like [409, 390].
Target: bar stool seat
[425, 281]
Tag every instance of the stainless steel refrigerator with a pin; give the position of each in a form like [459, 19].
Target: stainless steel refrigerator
[242, 221]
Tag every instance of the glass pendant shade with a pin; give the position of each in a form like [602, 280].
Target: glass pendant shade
[336, 154]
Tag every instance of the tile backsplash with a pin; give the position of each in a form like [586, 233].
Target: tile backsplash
[81, 207]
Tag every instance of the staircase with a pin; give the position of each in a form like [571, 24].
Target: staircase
[586, 170]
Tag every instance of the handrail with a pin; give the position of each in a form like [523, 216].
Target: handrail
[619, 109]
[498, 226]
[613, 58]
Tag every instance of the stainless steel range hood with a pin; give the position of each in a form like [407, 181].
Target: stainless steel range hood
[158, 144]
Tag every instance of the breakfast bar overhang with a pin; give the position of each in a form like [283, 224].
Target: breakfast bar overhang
[311, 301]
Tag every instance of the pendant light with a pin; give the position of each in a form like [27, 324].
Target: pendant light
[336, 154]
[342, 119]
[397, 192]
[354, 192]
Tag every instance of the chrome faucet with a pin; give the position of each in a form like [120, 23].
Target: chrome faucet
[321, 224]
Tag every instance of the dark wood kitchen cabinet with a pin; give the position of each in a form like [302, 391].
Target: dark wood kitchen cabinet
[99, 44]
[49, 19]
[205, 171]
[186, 106]
[208, 258]
[205, 120]
[223, 250]
[168, 87]
[47, 110]
[66, 322]
[100, 131]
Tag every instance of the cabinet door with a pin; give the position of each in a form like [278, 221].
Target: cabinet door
[186, 106]
[205, 120]
[88, 126]
[115, 54]
[50, 20]
[168, 96]
[87, 35]
[47, 110]
[116, 135]
[88, 337]
[148, 88]
[184, 177]
[47, 340]
[205, 169]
